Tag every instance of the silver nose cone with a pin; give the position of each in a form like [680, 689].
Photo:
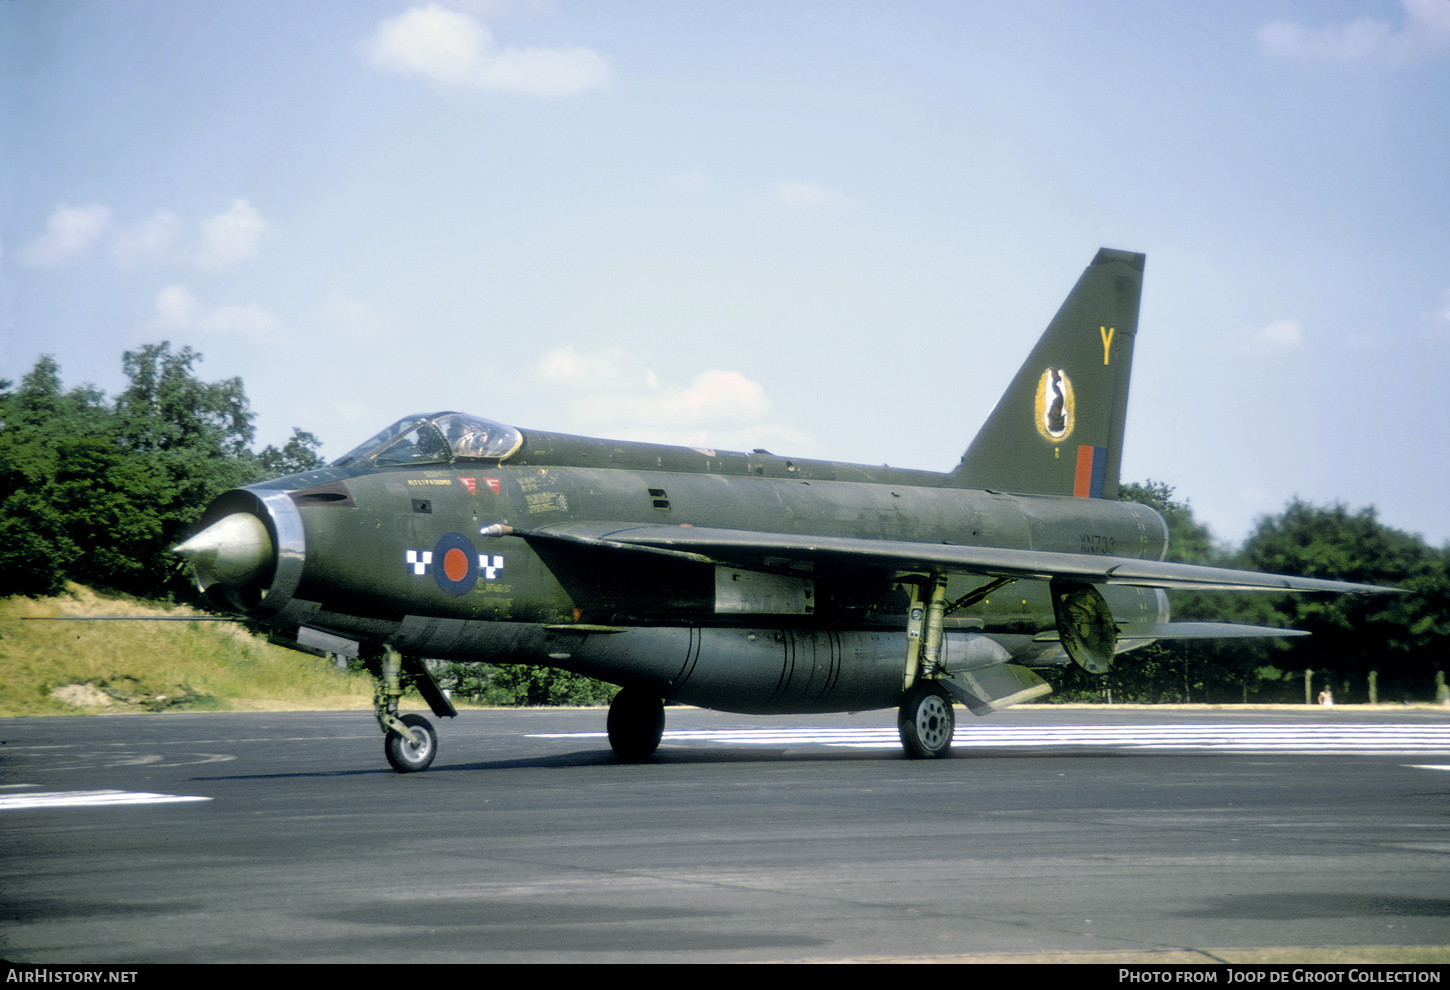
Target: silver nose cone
[230, 552]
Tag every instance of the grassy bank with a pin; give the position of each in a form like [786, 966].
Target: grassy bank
[65, 668]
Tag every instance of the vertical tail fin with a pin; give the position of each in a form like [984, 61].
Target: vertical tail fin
[1058, 429]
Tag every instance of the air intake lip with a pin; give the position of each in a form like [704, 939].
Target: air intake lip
[250, 551]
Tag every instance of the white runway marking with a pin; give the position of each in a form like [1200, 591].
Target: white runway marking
[88, 799]
[1312, 738]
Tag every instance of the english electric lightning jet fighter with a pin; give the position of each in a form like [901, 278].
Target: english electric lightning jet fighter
[743, 582]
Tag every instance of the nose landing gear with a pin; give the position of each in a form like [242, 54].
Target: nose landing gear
[409, 741]
[411, 755]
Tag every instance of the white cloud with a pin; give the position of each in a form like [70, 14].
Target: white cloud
[231, 237]
[715, 397]
[70, 232]
[612, 391]
[805, 195]
[178, 309]
[1281, 335]
[1354, 42]
[1425, 33]
[608, 369]
[153, 239]
[175, 309]
[454, 49]
[223, 240]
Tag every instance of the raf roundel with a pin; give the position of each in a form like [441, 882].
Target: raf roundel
[455, 564]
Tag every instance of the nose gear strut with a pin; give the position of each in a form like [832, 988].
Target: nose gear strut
[409, 741]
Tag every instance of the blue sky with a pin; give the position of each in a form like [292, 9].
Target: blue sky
[829, 229]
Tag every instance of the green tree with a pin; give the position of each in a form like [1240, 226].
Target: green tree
[112, 505]
[97, 492]
[35, 552]
[1405, 637]
[195, 432]
[166, 407]
[39, 425]
[297, 455]
[188, 439]
[521, 684]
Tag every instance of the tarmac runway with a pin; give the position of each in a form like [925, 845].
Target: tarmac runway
[1062, 833]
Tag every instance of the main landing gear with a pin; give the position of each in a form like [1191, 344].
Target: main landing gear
[636, 724]
[409, 741]
[926, 720]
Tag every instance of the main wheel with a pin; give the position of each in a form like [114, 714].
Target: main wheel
[636, 723]
[926, 721]
[407, 757]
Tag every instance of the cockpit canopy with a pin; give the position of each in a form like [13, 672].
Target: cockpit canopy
[436, 439]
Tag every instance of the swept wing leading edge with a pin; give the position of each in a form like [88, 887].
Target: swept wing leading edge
[733, 547]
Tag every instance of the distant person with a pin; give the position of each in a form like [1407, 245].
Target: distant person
[1326, 698]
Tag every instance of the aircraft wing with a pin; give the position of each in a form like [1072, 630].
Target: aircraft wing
[731, 547]
[1148, 631]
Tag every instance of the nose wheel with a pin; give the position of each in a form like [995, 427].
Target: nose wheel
[411, 755]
